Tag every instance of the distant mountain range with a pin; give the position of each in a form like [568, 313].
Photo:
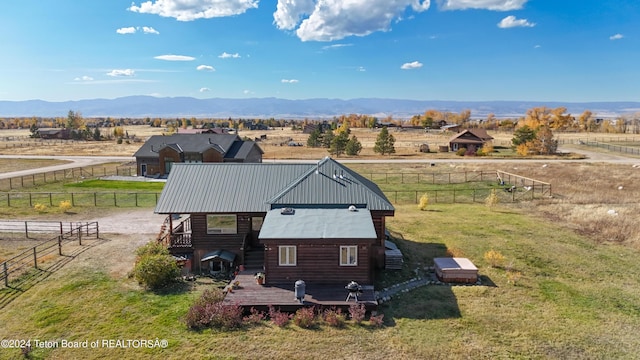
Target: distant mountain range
[149, 106]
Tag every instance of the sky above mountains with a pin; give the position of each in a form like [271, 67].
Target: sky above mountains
[468, 50]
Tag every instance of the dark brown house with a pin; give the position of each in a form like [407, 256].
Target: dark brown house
[322, 222]
[475, 138]
[159, 153]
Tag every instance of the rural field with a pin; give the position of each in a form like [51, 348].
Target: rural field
[568, 287]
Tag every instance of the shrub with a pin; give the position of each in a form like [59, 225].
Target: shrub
[461, 151]
[377, 320]
[209, 311]
[119, 141]
[216, 315]
[334, 317]
[155, 267]
[279, 318]
[65, 205]
[494, 258]
[492, 200]
[40, 207]
[255, 317]
[305, 318]
[424, 201]
[357, 313]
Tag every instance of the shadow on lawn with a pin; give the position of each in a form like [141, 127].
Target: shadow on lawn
[424, 302]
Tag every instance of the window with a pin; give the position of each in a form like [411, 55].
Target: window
[222, 224]
[348, 256]
[256, 223]
[287, 255]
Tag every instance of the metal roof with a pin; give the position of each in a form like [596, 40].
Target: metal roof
[318, 224]
[259, 187]
[190, 143]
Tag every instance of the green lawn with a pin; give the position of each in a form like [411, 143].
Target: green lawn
[575, 299]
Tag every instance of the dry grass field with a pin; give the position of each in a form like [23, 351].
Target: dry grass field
[576, 295]
[407, 143]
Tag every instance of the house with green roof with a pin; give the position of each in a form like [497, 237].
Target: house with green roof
[158, 154]
[321, 222]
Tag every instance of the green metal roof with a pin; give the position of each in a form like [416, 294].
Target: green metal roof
[248, 187]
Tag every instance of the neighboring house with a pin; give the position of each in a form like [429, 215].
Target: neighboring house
[53, 133]
[216, 130]
[470, 138]
[322, 223]
[159, 153]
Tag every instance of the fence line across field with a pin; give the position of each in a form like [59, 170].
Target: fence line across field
[72, 174]
[36, 257]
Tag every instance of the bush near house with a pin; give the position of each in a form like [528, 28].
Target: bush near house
[155, 268]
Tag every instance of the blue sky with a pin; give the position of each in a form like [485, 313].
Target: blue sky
[538, 50]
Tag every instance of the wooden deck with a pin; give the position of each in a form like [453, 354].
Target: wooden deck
[282, 296]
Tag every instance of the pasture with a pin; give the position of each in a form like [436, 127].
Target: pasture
[576, 292]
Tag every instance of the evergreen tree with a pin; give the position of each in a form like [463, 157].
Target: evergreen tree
[35, 133]
[96, 134]
[523, 135]
[339, 144]
[327, 138]
[353, 146]
[384, 143]
[315, 138]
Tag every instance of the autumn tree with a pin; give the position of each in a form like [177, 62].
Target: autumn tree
[75, 121]
[384, 143]
[584, 120]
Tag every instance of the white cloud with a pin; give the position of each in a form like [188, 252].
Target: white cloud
[511, 22]
[204, 89]
[133, 30]
[126, 30]
[174, 58]
[149, 30]
[188, 10]
[328, 20]
[496, 5]
[226, 55]
[537, 46]
[411, 65]
[335, 46]
[289, 81]
[121, 73]
[84, 78]
[616, 37]
[205, 68]
[361, 69]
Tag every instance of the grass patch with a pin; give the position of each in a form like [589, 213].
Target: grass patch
[97, 185]
[575, 299]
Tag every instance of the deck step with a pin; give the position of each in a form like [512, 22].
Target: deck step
[254, 259]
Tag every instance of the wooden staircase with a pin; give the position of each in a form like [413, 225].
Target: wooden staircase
[254, 259]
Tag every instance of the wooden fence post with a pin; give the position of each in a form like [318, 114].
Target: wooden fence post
[26, 230]
[80, 234]
[6, 274]
[60, 245]
[35, 258]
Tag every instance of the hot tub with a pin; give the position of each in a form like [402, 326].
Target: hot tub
[458, 270]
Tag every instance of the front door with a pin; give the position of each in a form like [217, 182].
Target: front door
[143, 169]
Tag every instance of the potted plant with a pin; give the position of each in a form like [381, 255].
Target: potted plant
[259, 278]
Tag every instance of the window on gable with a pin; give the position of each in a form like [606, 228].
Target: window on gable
[222, 224]
[348, 256]
[287, 255]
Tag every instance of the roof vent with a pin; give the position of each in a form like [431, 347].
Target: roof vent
[352, 208]
[287, 211]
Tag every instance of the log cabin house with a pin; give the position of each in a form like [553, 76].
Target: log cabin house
[158, 154]
[321, 222]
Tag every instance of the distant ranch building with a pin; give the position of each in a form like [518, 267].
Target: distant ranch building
[159, 153]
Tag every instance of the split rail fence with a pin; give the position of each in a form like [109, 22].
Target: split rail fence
[21, 265]
[73, 174]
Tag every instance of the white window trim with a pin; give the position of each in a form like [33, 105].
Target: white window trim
[213, 231]
[352, 250]
[285, 261]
